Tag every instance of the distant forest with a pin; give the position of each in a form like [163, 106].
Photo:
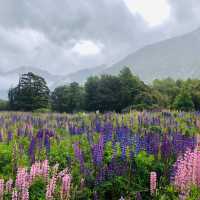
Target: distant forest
[105, 93]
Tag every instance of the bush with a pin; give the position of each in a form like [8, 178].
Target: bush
[37, 190]
[42, 110]
[3, 105]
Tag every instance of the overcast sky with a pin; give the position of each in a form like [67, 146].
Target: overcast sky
[63, 36]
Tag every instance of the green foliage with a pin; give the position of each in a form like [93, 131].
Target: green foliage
[108, 152]
[194, 193]
[131, 86]
[168, 193]
[5, 160]
[82, 194]
[116, 93]
[42, 110]
[144, 164]
[3, 105]
[103, 93]
[59, 152]
[91, 97]
[183, 101]
[37, 190]
[113, 188]
[168, 88]
[68, 98]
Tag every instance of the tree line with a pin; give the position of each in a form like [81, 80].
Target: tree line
[105, 93]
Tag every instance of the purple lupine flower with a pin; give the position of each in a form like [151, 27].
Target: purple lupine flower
[98, 151]
[138, 196]
[1, 137]
[156, 144]
[97, 125]
[79, 156]
[47, 143]
[177, 143]
[95, 196]
[100, 176]
[39, 137]
[166, 147]
[123, 150]
[108, 132]
[10, 136]
[32, 150]
[152, 142]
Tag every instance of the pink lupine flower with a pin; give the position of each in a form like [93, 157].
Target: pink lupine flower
[198, 123]
[25, 178]
[22, 183]
[63, 172]
[1, 188]
[25, 194]
[51, 188]
[35, 170]
[14, 195]
[45, 169]
[186, 171]
[153, 182]
[9, 185]
[65, 188]
[39, 169]
[22, 180]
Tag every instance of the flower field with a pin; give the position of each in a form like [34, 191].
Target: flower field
[136, 155]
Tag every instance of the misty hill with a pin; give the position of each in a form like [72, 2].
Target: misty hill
[25, 69]
[80, 76]
[178, 57]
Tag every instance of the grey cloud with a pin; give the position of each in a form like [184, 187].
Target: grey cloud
[184, 16]
[51, 29]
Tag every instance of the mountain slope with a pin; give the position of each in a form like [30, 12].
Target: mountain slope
[25, 69]
[178, 57]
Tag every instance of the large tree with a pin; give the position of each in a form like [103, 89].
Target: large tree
[91, 98]
[68, 98]
[168, 88]
[103, 93]
[115, 93]
[31, 93]
[183, 101]
[131, 87]
[108, 94]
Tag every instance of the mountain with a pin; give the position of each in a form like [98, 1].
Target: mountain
[80, 76]
[83, 74]
[25, 69]
[178, 57]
